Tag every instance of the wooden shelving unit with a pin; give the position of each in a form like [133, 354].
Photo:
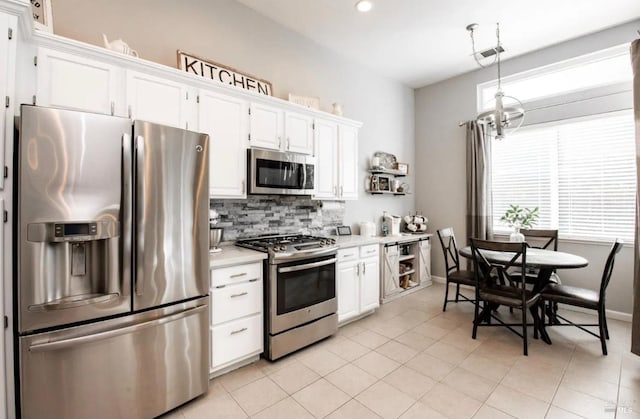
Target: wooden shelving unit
[405, 266]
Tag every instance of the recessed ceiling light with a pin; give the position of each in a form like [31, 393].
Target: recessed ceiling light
[364, 5]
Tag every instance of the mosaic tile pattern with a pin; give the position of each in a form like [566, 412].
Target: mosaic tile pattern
[274, 214]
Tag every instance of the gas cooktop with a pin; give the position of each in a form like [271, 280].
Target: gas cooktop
[289, 244]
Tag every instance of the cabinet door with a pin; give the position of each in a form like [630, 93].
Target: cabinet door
[7, 90]
[425, 262]
[348, 290]
[390, 279]
[348, 158]
[369, 284]
[73, 82]
[158, 100]
[326, 151]
[265, 126]
[225, 119]
[298, 132]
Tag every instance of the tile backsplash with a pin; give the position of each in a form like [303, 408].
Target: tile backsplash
[275, 214]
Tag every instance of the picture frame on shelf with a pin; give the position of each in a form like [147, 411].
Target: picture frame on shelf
[42, 15]
[402, 168]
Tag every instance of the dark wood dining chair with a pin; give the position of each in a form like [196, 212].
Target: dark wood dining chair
[539, 239]
[586, 298]
[454, 275]
[510, 293]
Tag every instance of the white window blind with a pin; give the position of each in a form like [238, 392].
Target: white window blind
[580, 173]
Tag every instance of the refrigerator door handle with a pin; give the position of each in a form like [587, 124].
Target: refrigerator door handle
[66, 343]
[139, 283]
[127, 211]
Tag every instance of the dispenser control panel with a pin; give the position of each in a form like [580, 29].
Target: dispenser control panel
[75, 229]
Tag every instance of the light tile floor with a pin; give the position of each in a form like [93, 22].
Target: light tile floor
[411, 360]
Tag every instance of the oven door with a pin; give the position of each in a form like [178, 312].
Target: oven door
[273, 172]
[301, 291]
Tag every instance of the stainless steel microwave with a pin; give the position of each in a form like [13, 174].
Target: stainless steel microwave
[278, 173]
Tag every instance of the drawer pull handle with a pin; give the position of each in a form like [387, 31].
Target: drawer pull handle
[239, 295]
[253, 280]
[234, 332]
[371, 251]
[220, 286]
[238, 275]
[348, 256]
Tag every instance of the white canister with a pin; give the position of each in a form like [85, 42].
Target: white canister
[367, 229]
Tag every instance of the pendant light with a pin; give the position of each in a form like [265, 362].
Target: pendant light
[502, 119]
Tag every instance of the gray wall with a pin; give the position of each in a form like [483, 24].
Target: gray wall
[441, 174]
[230, 33]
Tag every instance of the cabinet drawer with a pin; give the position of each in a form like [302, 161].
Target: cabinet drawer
[236, 340]
[235, 274]
[369, 251]
[234, 301]
[347, 254]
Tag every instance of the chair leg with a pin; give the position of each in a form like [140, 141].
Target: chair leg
[604, 318]
[534, 314]
[603, 339]
[524, 330]
[476, 319]
[457, 291]
[446, 295]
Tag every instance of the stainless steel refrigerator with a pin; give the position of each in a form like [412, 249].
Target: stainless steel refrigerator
[111, 265]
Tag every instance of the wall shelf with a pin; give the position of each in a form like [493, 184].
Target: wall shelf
[395, 173]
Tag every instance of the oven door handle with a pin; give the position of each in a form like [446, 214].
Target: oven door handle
[307, 266]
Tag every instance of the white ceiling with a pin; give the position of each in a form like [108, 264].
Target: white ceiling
[419, 42]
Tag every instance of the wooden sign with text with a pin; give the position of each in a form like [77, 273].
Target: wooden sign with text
[222, 74]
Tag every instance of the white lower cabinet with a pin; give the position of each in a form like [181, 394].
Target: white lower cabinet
[406, 266]
[358, 281]
[236, 315]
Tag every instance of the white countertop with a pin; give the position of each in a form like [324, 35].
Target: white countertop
[406, 237]
[234, 255]
[357, 240]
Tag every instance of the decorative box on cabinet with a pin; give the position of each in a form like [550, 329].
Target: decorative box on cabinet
[336, 153]
[358, 281]
[225, 119]
[236, 316]
[406, 266]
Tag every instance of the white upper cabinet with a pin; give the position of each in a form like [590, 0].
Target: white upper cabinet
[273, 128]
[298, 131]
[74, 82]
[348, 160]
[159, 100]
[225, 119]
[7, 90]
[326, 170]
[265, 126]
[336, 161]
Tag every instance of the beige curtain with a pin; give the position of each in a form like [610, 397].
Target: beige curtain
[479, 205]
[635, 61]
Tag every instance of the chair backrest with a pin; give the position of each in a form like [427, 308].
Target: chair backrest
[551, 237]
[499, 257]
[608, 267]
[450, 249]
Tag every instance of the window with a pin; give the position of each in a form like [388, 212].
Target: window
[580, 172]
[575, 75]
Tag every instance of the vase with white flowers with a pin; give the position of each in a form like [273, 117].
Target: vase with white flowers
[517, 217]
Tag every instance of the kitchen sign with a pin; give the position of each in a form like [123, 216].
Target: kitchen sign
[221, 74]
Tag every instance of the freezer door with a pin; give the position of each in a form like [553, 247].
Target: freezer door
[171, 214]
[137, 366]
[73, 241]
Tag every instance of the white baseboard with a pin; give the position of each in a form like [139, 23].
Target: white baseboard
[611, 314]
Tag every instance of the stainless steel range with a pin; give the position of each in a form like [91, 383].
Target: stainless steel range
[300, 290]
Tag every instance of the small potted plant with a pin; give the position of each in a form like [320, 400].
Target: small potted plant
[517, 217]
